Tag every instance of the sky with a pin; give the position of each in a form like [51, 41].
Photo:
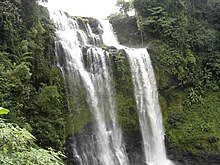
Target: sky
[88, 8]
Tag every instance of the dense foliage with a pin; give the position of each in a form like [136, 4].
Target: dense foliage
[188, 32]
[183, 40]
[17, 146]
[30, 86]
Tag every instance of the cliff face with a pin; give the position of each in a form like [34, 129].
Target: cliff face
[190, 117]
[127, 32]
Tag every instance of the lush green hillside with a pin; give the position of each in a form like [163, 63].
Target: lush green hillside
[29, 84]
[183, 40]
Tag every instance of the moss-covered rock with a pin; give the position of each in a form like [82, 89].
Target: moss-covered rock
[127, 31]
[95, 26]
[126, 105]
[79, 114]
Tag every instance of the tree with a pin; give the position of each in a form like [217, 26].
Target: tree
[124, 6]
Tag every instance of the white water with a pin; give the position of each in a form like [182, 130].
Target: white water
[150, 117]
[107, 147]
[146, 96]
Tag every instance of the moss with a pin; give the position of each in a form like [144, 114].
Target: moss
[81, 22]
[194, 128]
[127, 31]
[126, 105]
[79, 114]
[76, 121]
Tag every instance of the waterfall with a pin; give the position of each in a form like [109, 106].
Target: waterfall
[86, 65]
[146, 96]
[150, 117]
[92, 69]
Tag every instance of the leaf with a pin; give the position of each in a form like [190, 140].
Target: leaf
[3, 111]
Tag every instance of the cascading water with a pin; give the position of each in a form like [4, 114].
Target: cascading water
[146, 96]
[105, 146]
[150, 117]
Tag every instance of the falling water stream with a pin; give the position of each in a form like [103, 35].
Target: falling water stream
[150, 117]
[146, 96]
[107, 146]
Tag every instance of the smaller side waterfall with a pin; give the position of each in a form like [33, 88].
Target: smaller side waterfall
[150, 117]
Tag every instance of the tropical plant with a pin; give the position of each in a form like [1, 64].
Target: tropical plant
[17, 146]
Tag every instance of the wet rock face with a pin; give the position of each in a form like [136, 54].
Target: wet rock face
[134, 148]
[191, 159]
[127, 31]
[186, 158]
[74, 149]
[95, 25]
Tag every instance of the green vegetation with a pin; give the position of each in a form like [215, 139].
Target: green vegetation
[17, 146]
[79, 114]
[183, 40]
[29, 84]
[126, 105]
[194, 128]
